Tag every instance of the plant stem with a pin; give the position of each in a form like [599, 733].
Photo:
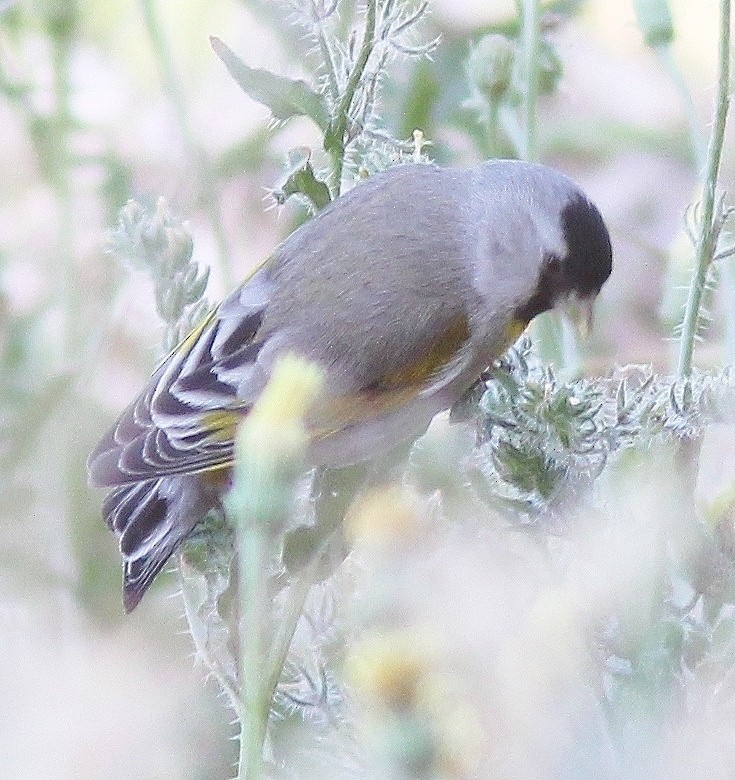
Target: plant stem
[289, 621]
[696, 136]
[491, 140]
[513, 130]
[548, 331]
[531, 44]
[728, 288]
[68, 302]
[164, 59]
[337, 136]
[327, 54]
[62, 427]
[333, 491]
[252, 553]
[175, 91]
[215, 666]
[711, 211]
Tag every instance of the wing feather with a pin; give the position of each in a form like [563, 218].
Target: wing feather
[184, 420]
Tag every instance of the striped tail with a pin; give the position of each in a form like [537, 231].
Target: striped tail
[151, 519]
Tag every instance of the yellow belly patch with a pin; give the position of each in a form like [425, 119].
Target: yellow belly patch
[514, 330]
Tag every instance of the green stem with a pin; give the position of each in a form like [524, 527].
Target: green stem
[694, 126]
[164, 59]
[531, 45]
[253, 557]
[338, 134]
[327, 54]
[333, 491]
[174, 89]
[513, 130]
[492, 138]
[289, 621]
[67, 287]
[728, 288]
[63, 426]
[711, 216]
[228, 685]
[547, 331]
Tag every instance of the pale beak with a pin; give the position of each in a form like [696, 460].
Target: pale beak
[580, 312]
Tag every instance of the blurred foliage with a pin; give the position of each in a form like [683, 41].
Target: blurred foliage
[603, 644]
[150, 238]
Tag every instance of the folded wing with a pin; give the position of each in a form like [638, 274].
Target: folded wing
[185, 419]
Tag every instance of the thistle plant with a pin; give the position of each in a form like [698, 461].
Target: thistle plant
[150, 238]
[550, 449]
[279, 536]
[303, 601]
[351, 51]
[713, 213]
[543, 442]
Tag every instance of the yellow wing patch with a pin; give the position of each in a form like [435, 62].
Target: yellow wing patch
[222, 423]
[393, 389]
[441, 352]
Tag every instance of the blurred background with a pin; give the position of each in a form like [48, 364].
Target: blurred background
[101, 102]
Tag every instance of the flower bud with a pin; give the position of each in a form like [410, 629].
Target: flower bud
[654, 19]
[490, 66]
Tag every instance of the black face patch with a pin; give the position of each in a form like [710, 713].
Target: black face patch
[583, 270]
[549, 288]
[589, 260]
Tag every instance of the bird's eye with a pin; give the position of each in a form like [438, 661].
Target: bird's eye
[553, 263]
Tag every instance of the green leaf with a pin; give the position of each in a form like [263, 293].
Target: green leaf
[284, 97]
[301, 179]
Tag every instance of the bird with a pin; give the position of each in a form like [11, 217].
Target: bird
[402, 290]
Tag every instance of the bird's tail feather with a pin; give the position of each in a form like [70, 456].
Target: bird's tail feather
[151, 519]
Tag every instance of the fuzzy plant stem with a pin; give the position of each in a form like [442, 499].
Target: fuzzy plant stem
[728, 288]
[200, 636]
[493, 146]
[332, 491]
[269, 452]
[175, 91]
[327, 53]
[336, 139]
[710, 219]
[253, 549]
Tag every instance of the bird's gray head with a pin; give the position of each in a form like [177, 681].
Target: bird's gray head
[575, 278]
